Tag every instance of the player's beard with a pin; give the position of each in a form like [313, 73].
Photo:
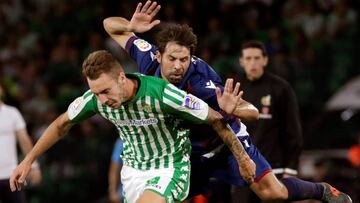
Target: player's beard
[176, 78]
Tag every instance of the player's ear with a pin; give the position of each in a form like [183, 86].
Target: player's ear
[241, 60]
[121, 77]
[158, 56]
[266, 60]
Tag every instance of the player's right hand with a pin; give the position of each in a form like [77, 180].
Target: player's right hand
[247, 169]
[142, 19]
[18, 176]
[230, 98]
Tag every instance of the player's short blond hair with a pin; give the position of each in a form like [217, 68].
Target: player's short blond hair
[99, 62]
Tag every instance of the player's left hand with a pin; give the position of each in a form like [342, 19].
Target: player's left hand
[230, 98]
[143, 17]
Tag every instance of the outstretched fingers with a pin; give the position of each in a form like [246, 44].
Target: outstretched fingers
[152, 7]
[145, 8]
[138, 8]
[229, 85]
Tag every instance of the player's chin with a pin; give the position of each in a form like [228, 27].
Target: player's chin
[175, 80]
[114, 105]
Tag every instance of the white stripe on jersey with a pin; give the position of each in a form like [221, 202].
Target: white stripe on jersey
[176, 96]
[167, 134]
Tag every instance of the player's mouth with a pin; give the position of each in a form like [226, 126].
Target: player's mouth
[176, 77]
[111, 105]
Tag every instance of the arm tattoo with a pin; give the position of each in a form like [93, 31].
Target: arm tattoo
[230, 139]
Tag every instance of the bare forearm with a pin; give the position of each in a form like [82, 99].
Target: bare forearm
[52, 134]
[228, 136]
[114, 177]
[116, 25]
[231, 141]
[24, 141]
[246, 111]
[246, 114]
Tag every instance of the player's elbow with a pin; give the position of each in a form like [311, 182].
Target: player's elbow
[107, 24]
[254, 114]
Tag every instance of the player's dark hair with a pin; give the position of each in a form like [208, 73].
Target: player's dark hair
[253, 44]
[181, 34]
[99, 62]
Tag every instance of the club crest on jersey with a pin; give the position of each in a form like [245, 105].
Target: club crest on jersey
[192, 102]
[147, 107]
[142, 45]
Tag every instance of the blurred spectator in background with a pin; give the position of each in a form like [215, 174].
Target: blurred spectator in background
[115, 186]
[172, 60]
[277, 133]
[317, 40]
[12, 129]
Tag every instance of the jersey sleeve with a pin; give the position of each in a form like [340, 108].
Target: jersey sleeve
[204, 82]
[82, 108]
[143, 53]
[19, 120]
[186, 106]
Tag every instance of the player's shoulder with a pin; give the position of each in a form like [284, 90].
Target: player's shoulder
[9, 110]
[150, 79]
[203, 71]
[277, 79]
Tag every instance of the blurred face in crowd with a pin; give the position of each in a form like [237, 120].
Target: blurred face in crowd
[174, 62]
[109, 89]
[253, 61]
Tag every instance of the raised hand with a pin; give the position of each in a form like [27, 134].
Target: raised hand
[142, 19]
[230, 98]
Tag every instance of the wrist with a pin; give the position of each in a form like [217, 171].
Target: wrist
[244, 159]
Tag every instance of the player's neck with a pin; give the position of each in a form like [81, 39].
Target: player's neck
[133, 85]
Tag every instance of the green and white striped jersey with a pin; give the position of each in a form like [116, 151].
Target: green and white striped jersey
[149, 124]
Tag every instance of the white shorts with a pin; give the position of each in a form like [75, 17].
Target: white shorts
[171, 183]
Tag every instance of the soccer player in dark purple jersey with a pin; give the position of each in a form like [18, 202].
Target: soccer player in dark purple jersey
[173, 60]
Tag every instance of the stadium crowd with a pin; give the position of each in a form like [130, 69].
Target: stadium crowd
[312, 44]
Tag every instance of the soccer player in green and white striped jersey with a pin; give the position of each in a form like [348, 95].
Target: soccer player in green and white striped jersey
[149, 114]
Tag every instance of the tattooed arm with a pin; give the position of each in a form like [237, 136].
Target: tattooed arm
[246, 165]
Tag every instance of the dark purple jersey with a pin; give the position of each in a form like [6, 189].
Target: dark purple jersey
[199, 80]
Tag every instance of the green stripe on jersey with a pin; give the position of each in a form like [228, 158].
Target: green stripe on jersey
[149, 125]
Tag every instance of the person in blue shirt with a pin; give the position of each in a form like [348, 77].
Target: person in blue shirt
[115, 186]
[173, 60]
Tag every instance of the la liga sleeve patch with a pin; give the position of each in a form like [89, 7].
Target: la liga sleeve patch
[193, 102]
[142, 45]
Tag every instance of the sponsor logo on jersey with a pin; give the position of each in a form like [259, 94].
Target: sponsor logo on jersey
[135, 122]
[265, 110]
[192, 102]
[266, 100]
[142, 45]
[154, 183]
[210, 85]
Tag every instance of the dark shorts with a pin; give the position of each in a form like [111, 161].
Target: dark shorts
[7, 196]
[223, 166]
